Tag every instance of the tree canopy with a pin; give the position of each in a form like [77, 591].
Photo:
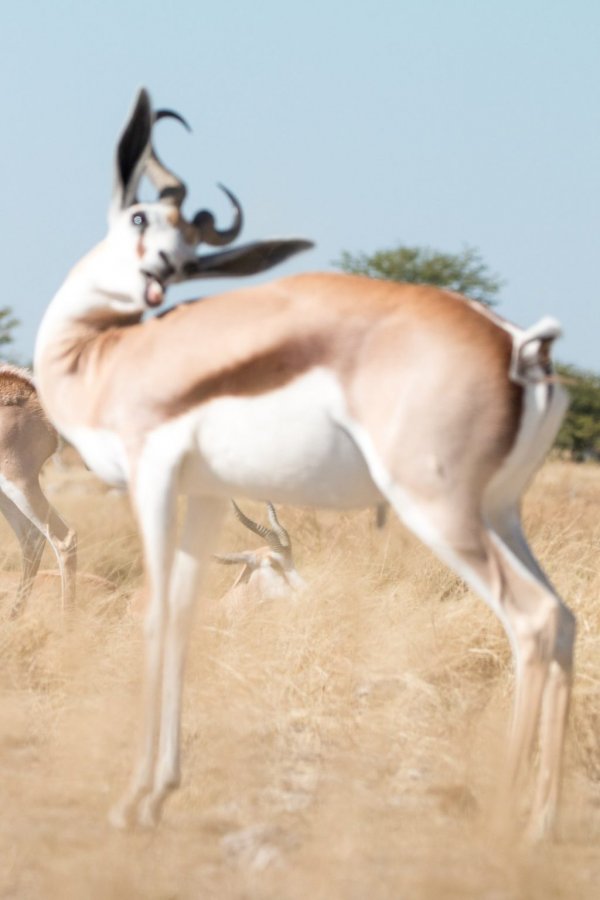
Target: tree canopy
[465, 272]
[580, 430]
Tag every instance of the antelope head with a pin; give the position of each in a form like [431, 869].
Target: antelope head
[271, 568]
[154, 244]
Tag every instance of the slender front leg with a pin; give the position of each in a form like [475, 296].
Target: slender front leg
[63, 541]
[154, 502]
[32, 542]
[32, 548]
[200, 531]
[27, 508]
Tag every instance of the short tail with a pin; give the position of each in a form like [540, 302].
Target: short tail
[531, 362]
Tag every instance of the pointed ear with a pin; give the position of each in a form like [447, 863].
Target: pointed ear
[132, 152]
[248, 259]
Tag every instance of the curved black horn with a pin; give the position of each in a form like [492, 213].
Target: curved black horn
[282, 534]
[270, 536]
[170, 188]
[204, 221]
[171, 114]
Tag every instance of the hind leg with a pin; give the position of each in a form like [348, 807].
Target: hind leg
[545, 633]
[555, 712]
[538, 625]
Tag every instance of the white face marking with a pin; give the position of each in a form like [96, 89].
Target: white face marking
[142, 239]
[112, 275]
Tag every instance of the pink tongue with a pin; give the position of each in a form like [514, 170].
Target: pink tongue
[154, 293]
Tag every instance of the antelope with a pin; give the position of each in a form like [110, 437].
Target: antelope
[27, 440]
[268, 573]
[313, 390]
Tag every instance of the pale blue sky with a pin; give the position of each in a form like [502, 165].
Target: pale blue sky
[359, 125]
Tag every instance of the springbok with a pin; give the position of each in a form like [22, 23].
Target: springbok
[269, 572]
[316, 389]
[27, 440]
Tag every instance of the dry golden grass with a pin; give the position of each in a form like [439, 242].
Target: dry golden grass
[343, 746]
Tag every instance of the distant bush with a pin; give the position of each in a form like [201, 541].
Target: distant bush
[580, 431]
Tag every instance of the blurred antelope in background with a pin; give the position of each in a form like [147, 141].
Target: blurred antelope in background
[269, 572]
[27, 440]
[314, 390]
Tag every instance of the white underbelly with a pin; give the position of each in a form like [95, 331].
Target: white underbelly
[287, 446]
[102, 451]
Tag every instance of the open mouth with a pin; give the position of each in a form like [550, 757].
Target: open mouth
[154, 293]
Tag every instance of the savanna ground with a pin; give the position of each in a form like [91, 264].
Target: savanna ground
[346, 745]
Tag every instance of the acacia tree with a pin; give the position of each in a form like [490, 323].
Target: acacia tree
[465, 272]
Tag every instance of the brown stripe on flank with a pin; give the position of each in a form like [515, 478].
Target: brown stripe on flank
[373, 335]
[258, 374]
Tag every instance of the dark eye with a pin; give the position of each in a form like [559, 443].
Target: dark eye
[139, 219]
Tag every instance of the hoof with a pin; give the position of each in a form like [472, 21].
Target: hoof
[121, 817]
[541, 828]
[149, 813]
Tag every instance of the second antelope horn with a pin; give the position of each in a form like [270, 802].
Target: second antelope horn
[266, 533]
[204, 222]
[282, 534]
[170, 188]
